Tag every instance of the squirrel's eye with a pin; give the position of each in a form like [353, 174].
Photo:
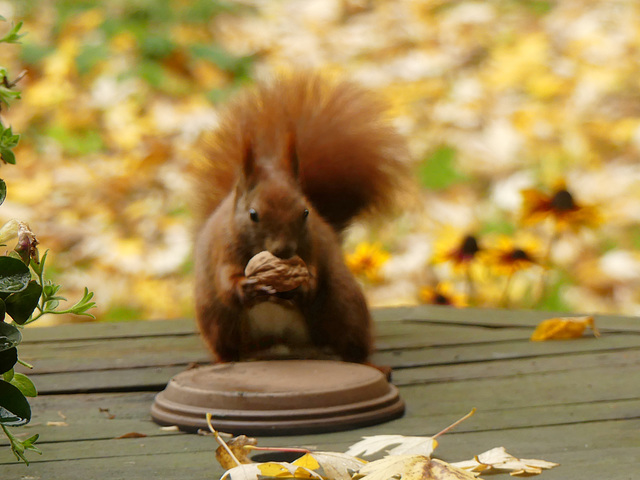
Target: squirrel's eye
[305, 213]
[253, 215]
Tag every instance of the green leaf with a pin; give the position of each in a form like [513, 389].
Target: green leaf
[13, 36]
[438, 171]
[28, 443]
[24, 384]
[19, 447]
[14, 275]
[14, 407]
[3, 310]
[8, 358]
[6, 94]
[3, 191]
[10, 336]
[84, 304]
[8, 375]
[21, 305]
[7, 156]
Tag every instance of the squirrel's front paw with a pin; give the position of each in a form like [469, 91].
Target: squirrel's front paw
[251, 288]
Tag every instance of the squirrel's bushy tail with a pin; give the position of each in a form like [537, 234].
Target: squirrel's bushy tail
[351, 160]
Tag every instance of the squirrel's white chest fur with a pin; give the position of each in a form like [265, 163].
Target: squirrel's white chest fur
[278, 321]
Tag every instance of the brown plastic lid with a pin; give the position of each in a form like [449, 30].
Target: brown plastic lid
[278, 397]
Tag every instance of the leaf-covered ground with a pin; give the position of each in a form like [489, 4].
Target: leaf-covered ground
[495, 98]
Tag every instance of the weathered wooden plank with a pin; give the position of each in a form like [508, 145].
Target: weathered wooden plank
[106, 416]
[533, 390]
[129, 352]
[517, 366]
[468, 316]
[155, 377]
[492, 317]
[589, 450]
[467, 345]
[397, 335]
[91, 330]
[499, 351]
[121, 380]
[98, 354]
[610, 464]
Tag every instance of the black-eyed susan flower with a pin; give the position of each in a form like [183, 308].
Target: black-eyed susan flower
[508, 255]
[561, 206]
[367, 260]
[460, 250]
[442, 293]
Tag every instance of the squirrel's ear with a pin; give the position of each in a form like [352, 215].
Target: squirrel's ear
[248, 174]
[248, 159]
[291, 155]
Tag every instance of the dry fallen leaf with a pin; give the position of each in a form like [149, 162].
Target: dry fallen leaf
[405, 445]
[497, 460]
[170, 428]
[412, 467]
[282, 275]
[132, 435]
[333, 465]
[236, 445]
[563, 328]
[57, 424]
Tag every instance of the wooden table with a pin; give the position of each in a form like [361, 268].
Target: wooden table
[574, 402]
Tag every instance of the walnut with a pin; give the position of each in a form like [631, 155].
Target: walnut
[282, 275]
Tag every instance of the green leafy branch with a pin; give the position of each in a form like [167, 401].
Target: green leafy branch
[9, 140]
[25, 294]
[50, 300]
[13, 35]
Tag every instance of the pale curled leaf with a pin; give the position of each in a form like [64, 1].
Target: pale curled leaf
[333, 465]
[412, 467]
[404, 445]
[497, 460]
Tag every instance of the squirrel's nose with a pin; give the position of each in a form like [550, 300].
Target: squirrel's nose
[281, 249]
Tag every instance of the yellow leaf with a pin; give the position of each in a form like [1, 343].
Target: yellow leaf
[302, 472]
[274, 469]
[563, 328]
[286, 470]
[307, 461]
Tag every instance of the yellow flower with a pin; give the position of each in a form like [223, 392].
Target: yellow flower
[560, 206]
[442, 294]
[510, 255]
[460, 250]
[367, 260]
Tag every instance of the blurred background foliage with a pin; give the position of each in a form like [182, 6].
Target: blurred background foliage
[495, 97]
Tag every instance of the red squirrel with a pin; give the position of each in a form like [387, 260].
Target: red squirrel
[293, 162]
